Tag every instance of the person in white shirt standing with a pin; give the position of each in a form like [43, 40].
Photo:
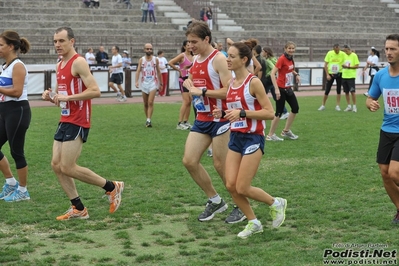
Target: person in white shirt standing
[90, 57]
[372, 63]
[164, 73]
[116, 71]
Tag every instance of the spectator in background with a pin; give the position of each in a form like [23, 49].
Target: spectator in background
[128, 4]
[151, 80]
[90, 57]
[349, 69]
[271, 61]
[209, 15]
[283, 76]
[202, 14]
[163, 63]
[372, 63]
[151, 8]
[101, 56]
[86, 2]
[116, 71]
[95, 3]
[144, 9]
[333, 68]
[126, 61]
[219, 46]
[185, 61]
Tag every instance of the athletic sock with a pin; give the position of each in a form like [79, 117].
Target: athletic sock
[11, 181]
[276, 202]
[216, 199]
[109, 186]
[78, 204]
[22, 189]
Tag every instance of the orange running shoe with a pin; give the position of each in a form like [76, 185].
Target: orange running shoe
[73, 213]
[115, 196]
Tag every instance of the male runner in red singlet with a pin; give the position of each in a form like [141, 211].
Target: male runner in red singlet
[75, 88]
[208, 79]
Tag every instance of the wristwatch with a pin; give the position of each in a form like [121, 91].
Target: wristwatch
[243, 113]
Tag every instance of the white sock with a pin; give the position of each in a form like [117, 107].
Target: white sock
[216, 199]
[11, 181]
[255, 221]
[349, 106]
[22, 189]
[148, 120]
[354, 106]
[276, 202]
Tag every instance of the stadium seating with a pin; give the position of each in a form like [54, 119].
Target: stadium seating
[315, 25]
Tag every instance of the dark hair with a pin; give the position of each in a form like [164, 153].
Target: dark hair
[392, 37]
[69, 31]
[251, 43]
[243, 51]
[258, 49]
[117, 48]
[160, 52]
[269, 51]
[200, 29]
[375, 52]
[335, 45]
[183, 48]
[12, 37]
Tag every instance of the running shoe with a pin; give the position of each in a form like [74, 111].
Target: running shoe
[235, 216]
[73, 213]
[115, 196]
[211, 209]
[273, 138]
[348, 109]
[288, 134]
[250, 229]
[7, 190]
[278, 212]
[17, 195]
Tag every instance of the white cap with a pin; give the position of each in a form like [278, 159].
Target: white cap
[125, 52]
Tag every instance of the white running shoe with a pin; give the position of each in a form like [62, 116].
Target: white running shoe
[322, 108]
[182, 126]
[250, 229]
[348, 109]
[273, 138]
[288, 134]
[337, 108]
[285, 116]
[278, 213]
[354, 109]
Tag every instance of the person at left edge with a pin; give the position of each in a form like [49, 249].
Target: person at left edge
[15, 114]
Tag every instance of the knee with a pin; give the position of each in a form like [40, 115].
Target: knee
[242, 190]
[231, 187]
[19, 159]
[295, 110]
[55, 166]
[189, 163]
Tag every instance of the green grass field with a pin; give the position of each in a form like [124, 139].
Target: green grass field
[329, 177]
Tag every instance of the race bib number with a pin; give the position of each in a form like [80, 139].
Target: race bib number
[334, 68]
[289, 79]
[242, 122]
[204, 103]
[65, 110]
[391, 101]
